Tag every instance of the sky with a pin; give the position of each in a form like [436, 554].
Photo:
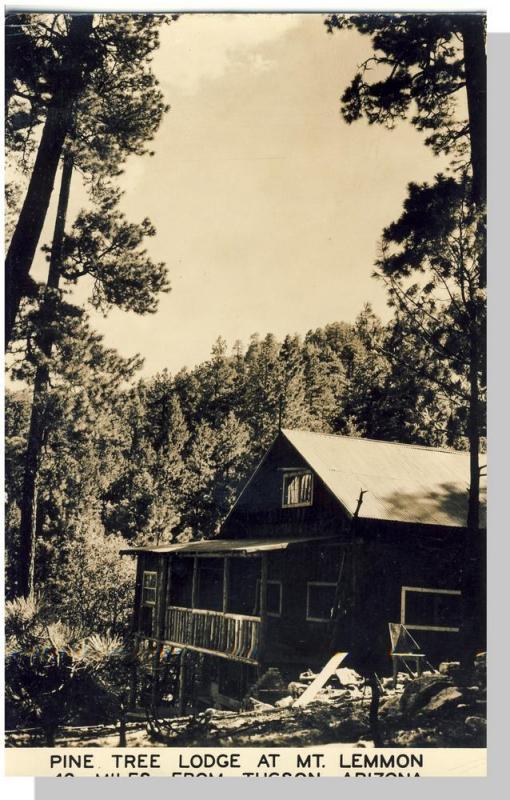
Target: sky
[268, 206]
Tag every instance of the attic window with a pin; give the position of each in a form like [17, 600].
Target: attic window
[297, 489]
[149, 585]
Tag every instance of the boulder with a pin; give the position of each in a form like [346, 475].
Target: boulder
[471, 694]
[443, 702]
[296, 688]
[420, 691]
[450, 668]
[257, 705]
[389, 709]
[417, 737]
[272, 679]
[348, 677]
[476, 724]
[285, 702]
[480, 669]
[270, 687]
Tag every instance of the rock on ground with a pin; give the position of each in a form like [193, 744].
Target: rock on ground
[430, 711]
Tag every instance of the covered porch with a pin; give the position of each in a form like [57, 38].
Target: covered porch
[215, 597]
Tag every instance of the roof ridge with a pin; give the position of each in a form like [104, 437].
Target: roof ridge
[449, 450]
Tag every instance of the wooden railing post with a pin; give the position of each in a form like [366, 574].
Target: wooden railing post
[213, 632]
[182, 682]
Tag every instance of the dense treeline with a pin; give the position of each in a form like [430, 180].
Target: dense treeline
[97, 457]
[163, 458]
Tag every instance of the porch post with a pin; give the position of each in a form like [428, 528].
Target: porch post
[159, 627]
[226, 583]
[135, 628]
[162, 597]
[194, 585]
[138, 595]
[166, 633]
[263, 611]
[182, 681]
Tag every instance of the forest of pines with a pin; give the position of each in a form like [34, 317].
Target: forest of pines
[161, 459]
[97, 456]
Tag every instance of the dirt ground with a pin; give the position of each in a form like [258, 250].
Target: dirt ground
[435, 710]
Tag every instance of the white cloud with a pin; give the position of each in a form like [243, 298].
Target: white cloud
[202, 47]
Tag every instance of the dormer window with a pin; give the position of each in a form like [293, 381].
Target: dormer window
[297, 488]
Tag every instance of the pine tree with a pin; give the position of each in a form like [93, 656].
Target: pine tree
[66, 86]
[215, 466]
[104, 104]
[437, 243]
[81, 434]
[102, 243]
[428, 66]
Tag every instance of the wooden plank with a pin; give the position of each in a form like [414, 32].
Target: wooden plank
[317, 684]
[236, 554]
[227, 656]
[217, 613]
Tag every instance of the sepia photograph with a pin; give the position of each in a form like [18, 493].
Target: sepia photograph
[245, 370]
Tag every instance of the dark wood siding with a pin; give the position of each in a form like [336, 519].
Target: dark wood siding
[375, 559]
[391, 556]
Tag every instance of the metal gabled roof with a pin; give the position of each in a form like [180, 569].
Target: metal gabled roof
[403, 483]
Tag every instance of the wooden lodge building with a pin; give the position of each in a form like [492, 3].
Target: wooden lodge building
[332, 538]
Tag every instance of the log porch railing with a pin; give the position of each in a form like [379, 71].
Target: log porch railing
[233, 636]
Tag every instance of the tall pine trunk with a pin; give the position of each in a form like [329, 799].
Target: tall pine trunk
[13, 42]
[475, 66]
[473, 583]
[473, 517]
[36, 431]
[68, 86]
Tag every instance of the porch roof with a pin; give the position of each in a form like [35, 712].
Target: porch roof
[226, 546]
